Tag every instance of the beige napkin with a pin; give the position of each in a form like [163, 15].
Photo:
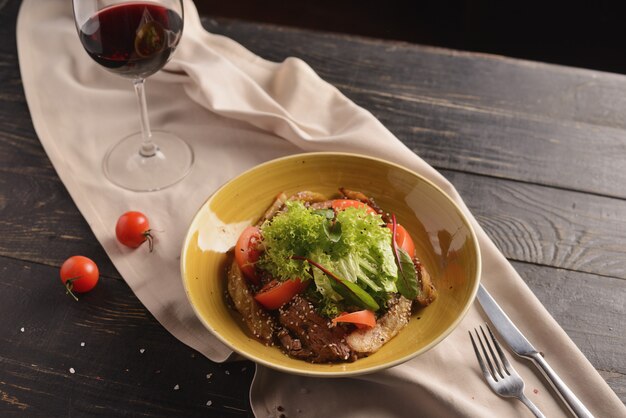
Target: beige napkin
[237, 110]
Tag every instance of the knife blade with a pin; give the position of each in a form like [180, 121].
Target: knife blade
[523, 348]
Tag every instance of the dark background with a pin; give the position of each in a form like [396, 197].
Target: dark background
[590, 34]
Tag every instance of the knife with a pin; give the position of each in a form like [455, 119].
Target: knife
[520, 346]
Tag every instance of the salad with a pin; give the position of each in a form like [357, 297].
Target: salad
[324, 280]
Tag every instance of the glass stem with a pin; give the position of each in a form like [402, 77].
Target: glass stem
[148, 148]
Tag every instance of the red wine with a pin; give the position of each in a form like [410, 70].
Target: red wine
[133, 39]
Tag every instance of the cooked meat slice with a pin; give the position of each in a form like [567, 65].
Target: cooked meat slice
[308, 197]
[326, 204]
[311, 336]
[258, 321]
[428, 292]
[276, 206]
[351, 194]
[367, 341]
[293, 345]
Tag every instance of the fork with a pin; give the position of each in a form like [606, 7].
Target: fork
[501, 376]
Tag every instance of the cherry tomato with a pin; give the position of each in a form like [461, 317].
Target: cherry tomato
[79, 274]
[247, 254]
[133, 229]
[403, 239]
[362, 319]
[275, 294]
[341, 204]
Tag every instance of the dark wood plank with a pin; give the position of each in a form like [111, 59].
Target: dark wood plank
[591, 314]
[15, 123]
[112, 377]
[40, 222]
[477, 113]
[552, 227]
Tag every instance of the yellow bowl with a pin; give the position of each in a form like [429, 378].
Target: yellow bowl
[444, 240]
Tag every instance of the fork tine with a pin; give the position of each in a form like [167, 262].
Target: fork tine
[505, 361]
[498, 365]
[488, 357]
[479, 358]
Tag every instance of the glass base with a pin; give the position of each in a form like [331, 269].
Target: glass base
[126, 167]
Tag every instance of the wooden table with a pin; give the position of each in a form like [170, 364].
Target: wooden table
[538, 152]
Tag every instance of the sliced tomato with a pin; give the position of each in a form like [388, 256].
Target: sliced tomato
[403, 239]
[362, 319]
[341, 204]
[276, 293]
[247, 252]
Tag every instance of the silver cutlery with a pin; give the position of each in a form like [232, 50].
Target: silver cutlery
[520, 346]
[500, 375]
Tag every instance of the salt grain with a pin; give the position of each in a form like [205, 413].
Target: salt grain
[72, 370]
[208, 376]
[209, 403]
[142, 350]
[227, 372]
[176, 387]
[22, 329]
[82, 344]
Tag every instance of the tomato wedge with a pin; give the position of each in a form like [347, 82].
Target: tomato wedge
[247, 252]
[403, 239]
[275, 294]
[342, 204]
[362, 319]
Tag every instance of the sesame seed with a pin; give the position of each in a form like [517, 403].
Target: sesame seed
[72, 370]
[142, 350]
[176, 387]
[209, 403]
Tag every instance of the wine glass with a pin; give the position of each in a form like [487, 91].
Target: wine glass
[135, 39]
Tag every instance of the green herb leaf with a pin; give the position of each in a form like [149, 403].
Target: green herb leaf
[407, 275]
[354, 295]
[326, 213]
[332, 230]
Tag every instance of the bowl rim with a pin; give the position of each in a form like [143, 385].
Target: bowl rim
[335, 373]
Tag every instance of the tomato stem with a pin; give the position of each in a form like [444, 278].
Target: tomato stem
[150, 239]
[69, 285]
